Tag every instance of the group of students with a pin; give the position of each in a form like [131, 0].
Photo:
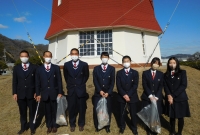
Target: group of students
[32, 83]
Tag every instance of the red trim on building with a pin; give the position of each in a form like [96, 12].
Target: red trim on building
[82, 14]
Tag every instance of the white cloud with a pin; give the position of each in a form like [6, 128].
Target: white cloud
[3, 26]
[26, 13]
[21, 19]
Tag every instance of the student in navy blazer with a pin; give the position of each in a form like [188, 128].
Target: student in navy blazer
[104, 80]
[48, 88]
[127, 84]
[76, 73]
[176, 99]
[24, 90]
[152, 82]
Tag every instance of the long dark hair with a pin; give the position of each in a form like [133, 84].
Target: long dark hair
[177, 69]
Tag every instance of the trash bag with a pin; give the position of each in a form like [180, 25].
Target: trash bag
[61, 108]
[149, 115]
[102, 113]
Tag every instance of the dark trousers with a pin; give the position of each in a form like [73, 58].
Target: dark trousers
[23, 104]
[132, 110]
[77, 105]
[50, 113]
[95, 100]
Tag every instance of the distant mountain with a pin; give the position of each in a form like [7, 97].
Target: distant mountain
[177, 56]
[14, 46]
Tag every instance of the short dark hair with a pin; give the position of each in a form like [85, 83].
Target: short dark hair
[105, 54]
[46, 52]
[126, 57]
[154, 61]
[74, 49]
[24, 51]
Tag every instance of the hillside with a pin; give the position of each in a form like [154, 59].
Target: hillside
[14, 46]
[178, 56]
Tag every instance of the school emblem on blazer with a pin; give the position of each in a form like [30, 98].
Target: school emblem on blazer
[158, 79]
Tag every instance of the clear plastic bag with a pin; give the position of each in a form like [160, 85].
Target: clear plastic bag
[149, 115]
[102, 113]
[61, 111]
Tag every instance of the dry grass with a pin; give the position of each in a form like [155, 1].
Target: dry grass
[9, 114]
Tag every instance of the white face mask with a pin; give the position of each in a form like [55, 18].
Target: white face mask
[155, 66]
[47, 60]
[104, 60]
[74, 57]
[126, 65]
[24, 59]
[172, 66]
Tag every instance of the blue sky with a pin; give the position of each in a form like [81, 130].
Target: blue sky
[182, 35]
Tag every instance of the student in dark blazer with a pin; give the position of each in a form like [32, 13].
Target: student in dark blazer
[176, 99]
[104, 80]
[152, 82]
[127, 84]
[76, 73]
[48, 88]
[24, 90]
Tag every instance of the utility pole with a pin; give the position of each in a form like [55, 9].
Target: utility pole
[4, 52]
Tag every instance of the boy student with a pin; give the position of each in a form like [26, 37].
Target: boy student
[48, 88]
[127, 84]
[76, 73]
[104, 80]
[24, 90]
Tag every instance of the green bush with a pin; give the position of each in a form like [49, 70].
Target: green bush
[193, 64]
[3, 65]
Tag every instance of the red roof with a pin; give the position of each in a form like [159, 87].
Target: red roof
[85, 14]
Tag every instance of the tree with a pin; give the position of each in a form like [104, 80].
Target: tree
[3, 65]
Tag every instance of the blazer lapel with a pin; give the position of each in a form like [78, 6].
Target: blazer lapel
[30, 68]
[100, 71]
[21, 71]
[124, 74]
[150, 75]
[51, 70]
[79, 68]
[130, 74]
[107, 70]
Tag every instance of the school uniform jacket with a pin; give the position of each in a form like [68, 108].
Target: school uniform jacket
[127, 84]
[152, 86]
[176, 87]
[76, 79]
[24, 81]
[103, 80]
[48, 85]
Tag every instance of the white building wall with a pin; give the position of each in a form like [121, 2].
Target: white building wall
[151, 41]
[125, 41]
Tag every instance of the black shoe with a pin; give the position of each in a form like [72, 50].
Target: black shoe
[121, 131]
[20, 132]
[97, 130]
[32, 132]
[135, 132]
[172, 134]
[107, 129]
[178, 134]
